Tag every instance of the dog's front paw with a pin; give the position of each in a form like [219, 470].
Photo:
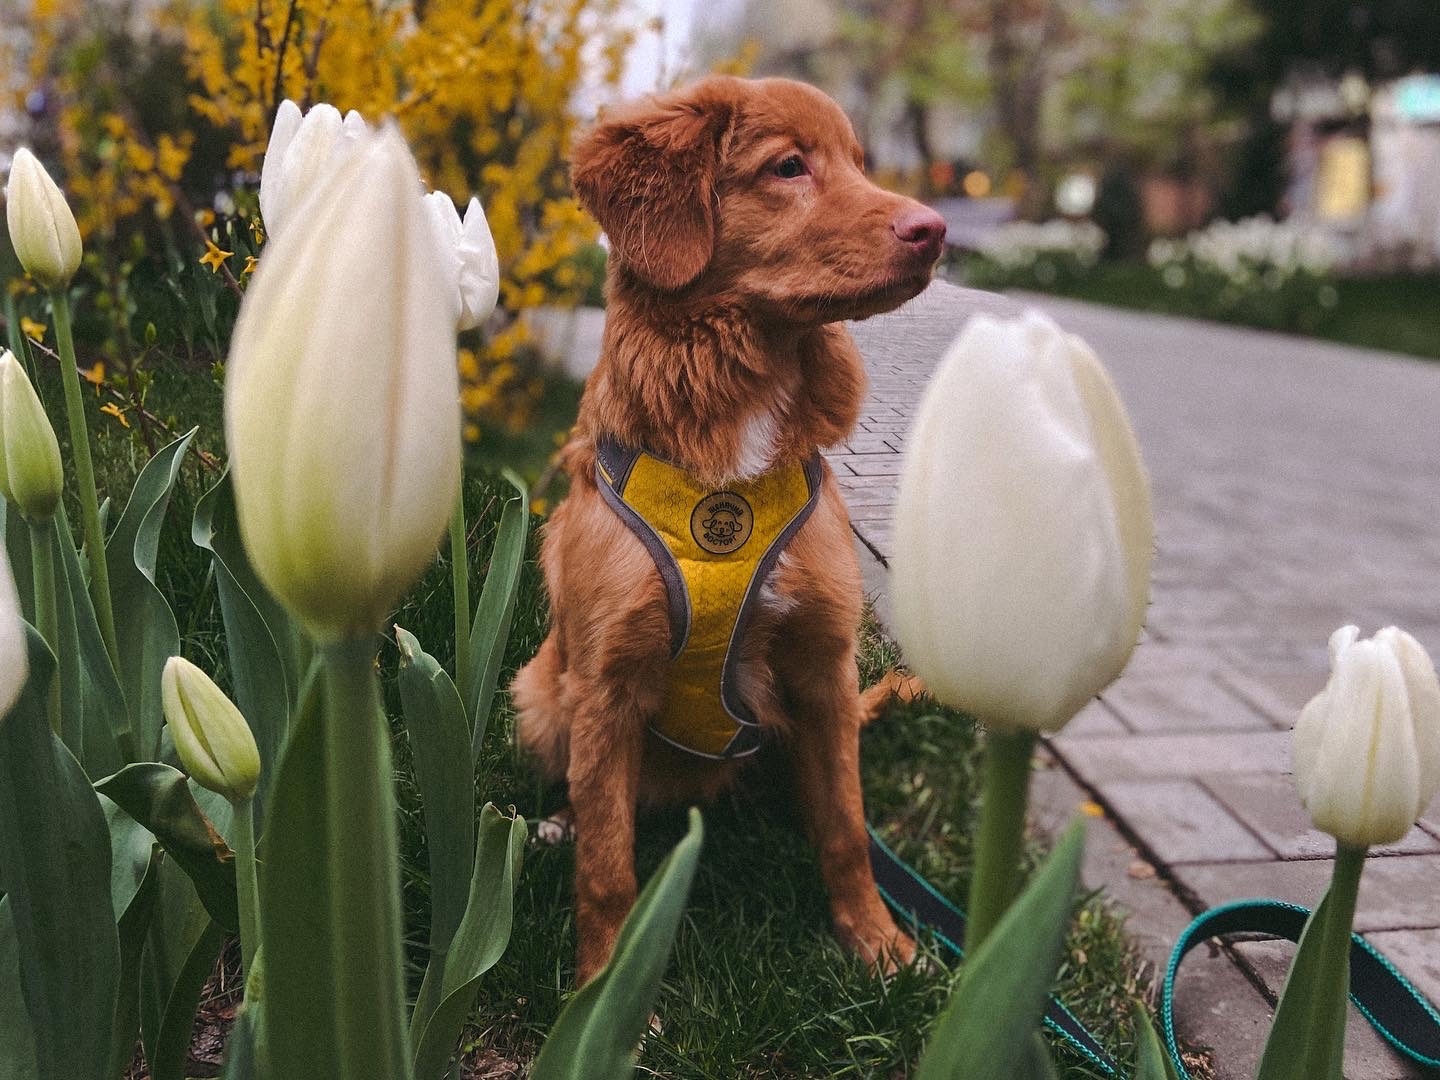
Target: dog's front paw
[880, 943]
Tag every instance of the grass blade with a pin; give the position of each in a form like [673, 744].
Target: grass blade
[598, 1030]
[986, 1028]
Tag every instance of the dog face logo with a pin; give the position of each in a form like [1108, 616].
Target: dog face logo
[722, 522]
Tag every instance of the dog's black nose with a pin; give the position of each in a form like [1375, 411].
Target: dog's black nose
[922, 228]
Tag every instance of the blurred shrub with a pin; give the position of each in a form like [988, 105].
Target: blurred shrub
[1026, 255]
[1256, 271]
[156, 114]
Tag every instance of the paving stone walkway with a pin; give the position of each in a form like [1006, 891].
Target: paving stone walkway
[1296, 488]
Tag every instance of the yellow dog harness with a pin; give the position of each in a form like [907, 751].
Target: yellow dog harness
[714, 549]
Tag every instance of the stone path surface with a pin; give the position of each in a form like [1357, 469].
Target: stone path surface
[1296, 488]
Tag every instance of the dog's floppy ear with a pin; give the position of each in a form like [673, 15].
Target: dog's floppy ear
[647, 174]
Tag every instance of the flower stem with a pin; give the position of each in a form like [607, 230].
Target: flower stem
[85, 475]
[996, 880]
[460, 581]
[1331, 986]
[363, 888]
[247, 883]
[42, 560]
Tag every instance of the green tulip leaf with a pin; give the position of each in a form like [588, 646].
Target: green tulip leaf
[171, 1051]
[241, 1052]
[1151, 1061]
[1299, 1047]
[986, 1028]
[451, 979]
[180, 953]
[1038, 1064]
[445, 774]
[17, 1034]
[55, 862]
[92, 705]
[596, 1034]
[151, 635]
[160, 798]
[265, 650]
[105, 717]
[134, 887]
[20, 542]
[491, 628]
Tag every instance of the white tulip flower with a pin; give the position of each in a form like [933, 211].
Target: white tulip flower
[212, 739]
[470, 250]
[31, 475]
[42, 228]
[1367, 747]
[300, 153]
[342, 411]
[1023, 535]
[14, 661]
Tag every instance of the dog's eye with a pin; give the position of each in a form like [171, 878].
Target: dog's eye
[791, 167]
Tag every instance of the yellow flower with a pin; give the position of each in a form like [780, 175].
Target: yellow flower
[205, 218]
[472, 433]
[469, 365]
[35, 331]
[214, 257]
[250, 263]
[111, 409]
[96, 374]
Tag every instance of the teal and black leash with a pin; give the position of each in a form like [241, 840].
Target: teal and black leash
[917, 901]
[1394, 1007]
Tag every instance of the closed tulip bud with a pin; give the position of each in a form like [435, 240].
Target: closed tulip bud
[342, 411]
[42, 228]
[300, 152]
[212, 738]
[469, 249]
[1023, 535]
[1367, 747]
[14, 666]
[31, 476]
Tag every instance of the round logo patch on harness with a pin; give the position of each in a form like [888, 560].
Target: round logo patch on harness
[722, 522]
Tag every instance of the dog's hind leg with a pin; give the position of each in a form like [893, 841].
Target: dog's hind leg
[542, 721]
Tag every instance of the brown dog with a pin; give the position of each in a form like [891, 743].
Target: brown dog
[742, 231]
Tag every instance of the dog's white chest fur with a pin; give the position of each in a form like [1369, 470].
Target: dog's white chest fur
[759, 441]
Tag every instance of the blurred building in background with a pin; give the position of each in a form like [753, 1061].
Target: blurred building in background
[1151, 116]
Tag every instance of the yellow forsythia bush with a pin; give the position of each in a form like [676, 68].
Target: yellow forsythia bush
[153, 109]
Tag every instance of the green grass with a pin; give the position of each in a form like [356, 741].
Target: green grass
[1397, 313]
[758, 986]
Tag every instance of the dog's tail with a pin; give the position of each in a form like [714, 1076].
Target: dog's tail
[894, 685]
